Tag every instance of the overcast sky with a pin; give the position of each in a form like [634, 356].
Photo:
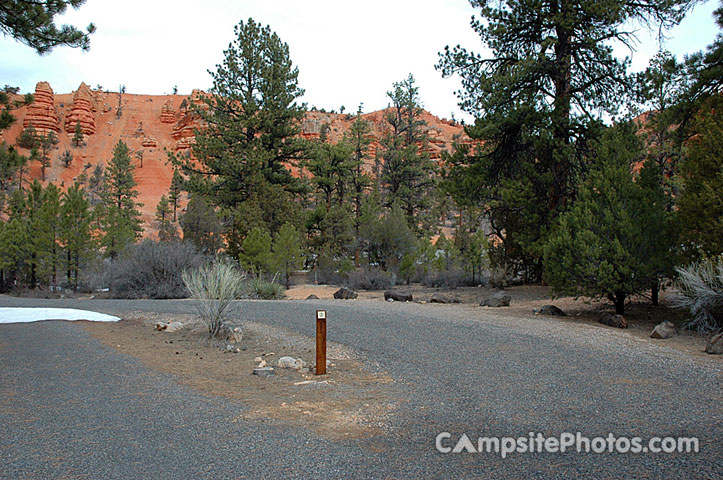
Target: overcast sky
[347, 52]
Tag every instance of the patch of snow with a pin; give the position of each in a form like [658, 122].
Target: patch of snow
[29, 314]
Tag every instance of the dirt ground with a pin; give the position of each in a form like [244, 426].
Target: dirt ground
[353, 399]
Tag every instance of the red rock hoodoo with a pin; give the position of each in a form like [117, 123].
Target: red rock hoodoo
[42, 113]
[167, 113]
[81, 111]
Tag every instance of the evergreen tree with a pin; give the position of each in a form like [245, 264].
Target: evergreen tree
[28, 138]
[15, 242]
[10, 163]
[44, 231]
[47, 144]
[287, 251]
[537, 100]
[75, 231]
[120, 219]
[96, 185]
[255, 253]
[251, 120]
[78, 138]
[331, 166]
[601, 246]
[701, 200]
[386, 239]
[406, 168]
[358, 137]
[174, 192]
[32, 23]
[66, 158]
[201, 225]
[166, 228]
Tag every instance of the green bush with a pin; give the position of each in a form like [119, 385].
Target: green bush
[264, 290]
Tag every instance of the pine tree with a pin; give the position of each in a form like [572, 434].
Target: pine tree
[600, 248]
[287, 251]
[10, 163]
[201, 225]
[700, 204]
[66, 158]
[406, 168]
[15, 242]
[255, 253]
[537, 100]
[166, 228]
[75, 234]
[251, 120]
[358, 137]
[44, 231]
[78, 138]
[28, 138]
[47, 144]
[174, 192]
[32, 23]
[120, 218]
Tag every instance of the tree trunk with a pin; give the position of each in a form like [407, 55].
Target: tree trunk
[619, 300]
[654, 293]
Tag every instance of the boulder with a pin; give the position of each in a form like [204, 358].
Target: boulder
[345, 294]
[550, 310]
[665, 329]
[398, 297]
[291, 362]
[498, 299]
[715, 345]
[612, 320]
[169, 326]
[441, 298]
[312, 297]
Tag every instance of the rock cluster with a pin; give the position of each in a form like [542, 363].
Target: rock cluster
[42, 113]
[81, 111]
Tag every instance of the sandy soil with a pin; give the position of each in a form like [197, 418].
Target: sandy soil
[351, 401]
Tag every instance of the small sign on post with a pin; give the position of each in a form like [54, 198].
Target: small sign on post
[321, 342]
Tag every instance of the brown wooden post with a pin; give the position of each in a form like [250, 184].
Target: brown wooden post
[321, 342]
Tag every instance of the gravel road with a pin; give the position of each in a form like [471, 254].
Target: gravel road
[71, 407]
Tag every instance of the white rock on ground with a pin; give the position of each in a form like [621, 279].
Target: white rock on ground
[29, 314]
[291, 362]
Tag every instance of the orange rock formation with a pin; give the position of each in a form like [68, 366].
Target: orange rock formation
[42, 113]
[81, 111]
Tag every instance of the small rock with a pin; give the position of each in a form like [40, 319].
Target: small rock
[398, 297]
[715, 345]
[258, 359]
[440, 298]
[550, 310]
[498, 299]
[261, 364]
[612, 320]
[665, 329]
[291, 362]
[264, 371]
[312, 297]
[345, 294]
